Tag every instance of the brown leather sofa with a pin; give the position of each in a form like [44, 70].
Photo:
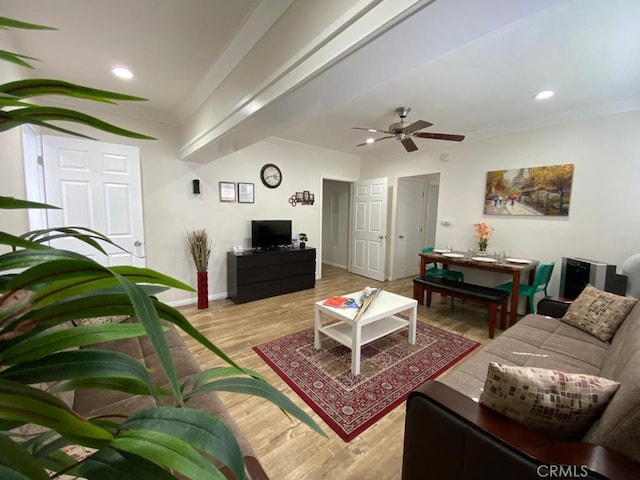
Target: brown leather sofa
[104, 402]
[449, 435]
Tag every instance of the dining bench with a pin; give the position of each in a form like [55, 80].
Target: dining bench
[491, 297]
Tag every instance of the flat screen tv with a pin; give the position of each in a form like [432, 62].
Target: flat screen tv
[270, 234]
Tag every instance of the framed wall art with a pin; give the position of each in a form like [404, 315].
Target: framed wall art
[530, 191]
[227, 191]
[246, 192]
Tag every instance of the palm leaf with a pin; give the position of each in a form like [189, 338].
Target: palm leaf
[258, 388]
[30, 405]
[12, 203]
[7, 474]
[146, 313]
[169, 451]
[13, 241]
[109, 464]
[15, 58]
[119, 371]
[43, 115]
[51, 341]
[19, 460]
[198, 428]
[11, 23]
[34, 87]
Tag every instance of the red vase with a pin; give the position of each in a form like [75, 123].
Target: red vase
[203, 290]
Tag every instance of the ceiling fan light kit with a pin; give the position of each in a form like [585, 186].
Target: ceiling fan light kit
[403, 131]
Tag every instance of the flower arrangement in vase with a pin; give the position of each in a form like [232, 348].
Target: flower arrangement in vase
[483, 234]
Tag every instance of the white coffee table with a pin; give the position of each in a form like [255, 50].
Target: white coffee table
[379, 320]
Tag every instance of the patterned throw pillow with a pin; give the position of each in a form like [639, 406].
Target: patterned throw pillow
[560, 405]
[599, 313]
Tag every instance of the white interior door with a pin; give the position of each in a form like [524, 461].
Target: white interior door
[96, 185]
[409, 215]
[369, 228]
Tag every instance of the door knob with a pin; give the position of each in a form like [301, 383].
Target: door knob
[400, 236]
[137, 243]
[380, 237]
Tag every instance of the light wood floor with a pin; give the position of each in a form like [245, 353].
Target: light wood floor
[289, 449]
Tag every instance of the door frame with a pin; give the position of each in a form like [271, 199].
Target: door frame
[334, 178]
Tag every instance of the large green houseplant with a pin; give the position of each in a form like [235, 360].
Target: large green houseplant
[42, 289]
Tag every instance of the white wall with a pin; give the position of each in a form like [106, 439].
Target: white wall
[171, 209]
[603, 220]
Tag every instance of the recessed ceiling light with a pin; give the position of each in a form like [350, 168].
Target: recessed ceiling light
[371, 140]
[122, 72]
[544, 95]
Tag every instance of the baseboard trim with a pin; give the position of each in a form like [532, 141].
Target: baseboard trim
[192, 301]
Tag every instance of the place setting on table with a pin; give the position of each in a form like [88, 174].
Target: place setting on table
[498, 257]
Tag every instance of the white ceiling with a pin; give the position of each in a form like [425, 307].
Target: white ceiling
[585, 50]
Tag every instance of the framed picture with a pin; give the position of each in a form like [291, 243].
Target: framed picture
[245, 192]
[227, 191]
[529, 191]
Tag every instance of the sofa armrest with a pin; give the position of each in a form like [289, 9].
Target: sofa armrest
[552, 307]
[450, 436]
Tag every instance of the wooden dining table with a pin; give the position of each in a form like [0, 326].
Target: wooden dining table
[515, 268]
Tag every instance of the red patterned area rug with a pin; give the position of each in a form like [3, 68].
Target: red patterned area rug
[390, 369]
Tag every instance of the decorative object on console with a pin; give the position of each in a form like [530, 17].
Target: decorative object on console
[529, 191]
[271, 175]
[200, 249]
[302, 237]
[227, 191]
[246, 192]
[304, 198]
[483, 234]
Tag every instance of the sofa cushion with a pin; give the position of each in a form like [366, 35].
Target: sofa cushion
[561, 405]
[535, 341]
[598, 313]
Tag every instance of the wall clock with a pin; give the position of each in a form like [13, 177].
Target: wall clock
[271, 175]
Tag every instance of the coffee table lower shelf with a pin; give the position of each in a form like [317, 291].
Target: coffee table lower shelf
[343, 333]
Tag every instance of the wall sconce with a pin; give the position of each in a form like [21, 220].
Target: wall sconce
[196, 186]
[302, 198]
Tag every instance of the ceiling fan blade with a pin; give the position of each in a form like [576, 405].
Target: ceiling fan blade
[439, 136]
[376, 140]
[417, 125]
[409, 145]
[371, 129]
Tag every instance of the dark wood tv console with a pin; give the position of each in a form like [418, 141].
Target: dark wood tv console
[254, 275]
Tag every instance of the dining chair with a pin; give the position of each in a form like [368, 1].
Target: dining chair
[540, 283]
[442, 272]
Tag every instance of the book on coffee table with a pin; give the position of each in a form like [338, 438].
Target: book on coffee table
[366, 299]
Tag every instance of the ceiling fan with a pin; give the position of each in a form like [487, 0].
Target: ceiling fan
[403, 131]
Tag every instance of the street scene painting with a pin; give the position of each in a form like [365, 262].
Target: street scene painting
[529, 191]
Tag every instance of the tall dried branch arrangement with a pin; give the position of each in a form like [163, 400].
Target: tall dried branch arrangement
[200, 248]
